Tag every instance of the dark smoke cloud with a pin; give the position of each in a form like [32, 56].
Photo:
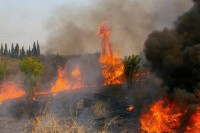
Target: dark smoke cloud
[73, 30]
[175, 54]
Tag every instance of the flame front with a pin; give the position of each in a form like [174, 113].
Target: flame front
[112, 65]
[9, 91]
[62, 83]
[163, 117]
[194, 122]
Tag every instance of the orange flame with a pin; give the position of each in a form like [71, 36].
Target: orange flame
[9, 91]
[112, 65]
[162, 118]
[76, 74]
[130, 108]
[62, 83]
[194, 122]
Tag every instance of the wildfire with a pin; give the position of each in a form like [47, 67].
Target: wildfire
[163, 117]
[112, 65]
[9, 91]
[130, 108]
[76, 75]
[194, 122]
[62, 83]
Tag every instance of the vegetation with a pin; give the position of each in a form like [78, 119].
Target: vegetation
[7, 67]
[16, 52]
[131, 64]
[32, 69]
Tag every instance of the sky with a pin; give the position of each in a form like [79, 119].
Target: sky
[23, 21]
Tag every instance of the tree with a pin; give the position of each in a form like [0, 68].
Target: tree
[1, 49]
[38, 49]
[23, 52]
[131, 66]
[32, 69]
[12, 51]
[9, 53]
[16, 51]
[20, 53]
[5, 50]
[34, 50]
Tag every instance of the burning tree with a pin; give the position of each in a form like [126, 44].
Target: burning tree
[32, 69]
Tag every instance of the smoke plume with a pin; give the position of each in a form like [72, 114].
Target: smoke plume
[73, 30]
[175, 53]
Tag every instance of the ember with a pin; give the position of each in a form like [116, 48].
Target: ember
[130, 108]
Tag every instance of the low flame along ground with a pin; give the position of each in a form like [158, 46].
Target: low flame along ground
[163, 117]
[9, 91]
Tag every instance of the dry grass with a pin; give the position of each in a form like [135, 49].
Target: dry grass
[53, 124]
[100, 109]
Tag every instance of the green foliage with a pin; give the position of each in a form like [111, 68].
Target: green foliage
[31, 66]
[131, 65]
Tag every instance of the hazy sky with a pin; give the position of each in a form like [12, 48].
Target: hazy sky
[24, 21]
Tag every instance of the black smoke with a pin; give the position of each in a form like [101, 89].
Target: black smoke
[175, 53]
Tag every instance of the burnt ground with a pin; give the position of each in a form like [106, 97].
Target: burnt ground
[112, 111]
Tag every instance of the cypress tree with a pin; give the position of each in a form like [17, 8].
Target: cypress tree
[23, 52]
[9, 53]
[38, 49]
[20, 53]
[1, 51]
[16, 51]
[5, 50]
[34, 50]
[29, 51]
[12, 51]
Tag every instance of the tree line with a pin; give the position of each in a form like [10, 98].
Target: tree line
[16, 52]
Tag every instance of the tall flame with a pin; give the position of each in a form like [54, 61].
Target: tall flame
[9, 91]
[112, 65]
[194, 122]
[62, 83]
[76, 75]
[162, 118]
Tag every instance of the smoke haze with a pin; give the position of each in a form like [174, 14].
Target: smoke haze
[174, 54]
[73, 30]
